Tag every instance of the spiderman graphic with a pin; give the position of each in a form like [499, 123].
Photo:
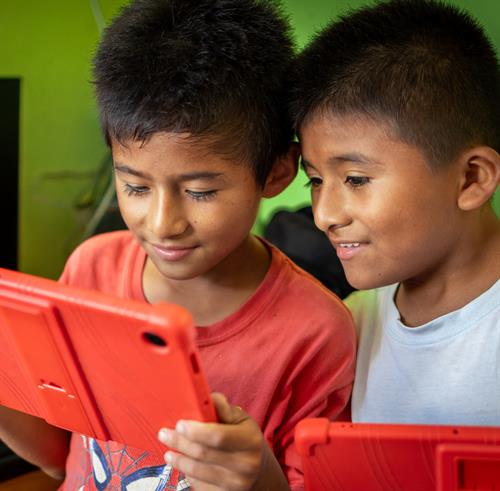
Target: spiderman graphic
[114, 467]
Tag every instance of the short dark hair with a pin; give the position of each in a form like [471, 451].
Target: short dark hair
[425, 67]
[217, 69]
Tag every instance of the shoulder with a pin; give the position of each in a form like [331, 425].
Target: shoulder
[304, 298]
[116, 240]
[300, 282]
[104, 247]
[100, 259]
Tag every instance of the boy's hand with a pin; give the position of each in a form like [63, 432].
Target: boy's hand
[231, 455]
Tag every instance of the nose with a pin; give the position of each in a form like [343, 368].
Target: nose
[329, 210]
[166, 217]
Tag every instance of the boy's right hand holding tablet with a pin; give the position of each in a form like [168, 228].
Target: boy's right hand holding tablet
[229, 455]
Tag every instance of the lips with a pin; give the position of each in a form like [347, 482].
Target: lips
[173, 253]
[348, 249]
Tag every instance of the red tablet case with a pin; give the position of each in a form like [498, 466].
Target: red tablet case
[381, 457]
[109, 368]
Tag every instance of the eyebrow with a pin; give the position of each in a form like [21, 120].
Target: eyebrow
[125, 169]
[355, 157]
[190, 176]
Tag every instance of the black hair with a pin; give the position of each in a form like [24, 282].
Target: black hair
[424, 67]
[216, 69]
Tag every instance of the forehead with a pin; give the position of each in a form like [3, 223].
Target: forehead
[167, 153]
[330, 137]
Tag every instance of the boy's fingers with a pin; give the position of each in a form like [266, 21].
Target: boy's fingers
[194, 450]
[207, 477]
[194, 470]
[226, 412]
[242, 463]
[197, 485]
[226, 437]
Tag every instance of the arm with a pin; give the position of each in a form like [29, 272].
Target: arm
[231, 455]
[35, 440]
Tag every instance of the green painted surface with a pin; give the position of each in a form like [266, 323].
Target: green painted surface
[49, 46]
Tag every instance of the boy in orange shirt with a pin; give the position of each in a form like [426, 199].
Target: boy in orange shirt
[192, 96]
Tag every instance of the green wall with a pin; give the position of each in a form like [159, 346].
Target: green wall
[49, 46]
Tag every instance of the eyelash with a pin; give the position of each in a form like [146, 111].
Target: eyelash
[201, 195]
[312, 182]
[353, 181]
[357, 181]
[134, 190]
[196, 195]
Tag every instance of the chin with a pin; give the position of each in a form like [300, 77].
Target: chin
[178, 275]
[365, 282]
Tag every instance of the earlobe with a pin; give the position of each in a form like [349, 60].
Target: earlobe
[480, 177]
[283, 172]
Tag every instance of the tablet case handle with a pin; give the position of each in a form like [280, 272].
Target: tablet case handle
[464, 467]
[309, 433]
[49, 361]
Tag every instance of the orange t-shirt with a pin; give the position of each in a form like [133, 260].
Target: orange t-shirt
[287, 354]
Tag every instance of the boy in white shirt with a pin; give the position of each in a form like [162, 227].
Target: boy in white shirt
[397, 107]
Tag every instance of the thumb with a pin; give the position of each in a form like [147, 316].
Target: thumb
[226, 412]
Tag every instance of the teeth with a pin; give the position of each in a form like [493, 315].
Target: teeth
[351, 244]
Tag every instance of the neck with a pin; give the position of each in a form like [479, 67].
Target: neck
[469, 269]
[217, 294]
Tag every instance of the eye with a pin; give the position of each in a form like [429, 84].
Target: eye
[313, 182]
[201, 195]
[357, 181]
[135, 190]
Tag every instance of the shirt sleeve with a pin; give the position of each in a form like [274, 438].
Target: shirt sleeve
[70, 271]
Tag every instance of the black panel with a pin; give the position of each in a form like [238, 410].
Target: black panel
[10, 465]
[9, 170]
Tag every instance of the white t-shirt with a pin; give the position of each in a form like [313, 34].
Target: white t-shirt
[444, 372]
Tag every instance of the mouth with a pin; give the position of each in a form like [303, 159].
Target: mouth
[348, 244]
[347, 250]
[173, 253]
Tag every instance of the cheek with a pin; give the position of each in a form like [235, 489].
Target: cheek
[131, 210]
[411, 232]
[122, 205]
[389, 209]
[230, 219]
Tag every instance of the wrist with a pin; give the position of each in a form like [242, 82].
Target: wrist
[270, 476]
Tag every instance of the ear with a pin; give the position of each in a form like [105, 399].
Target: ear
[283, 172]
[480, 176]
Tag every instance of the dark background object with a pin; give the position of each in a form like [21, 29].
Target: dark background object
[296, 235]
[10, 464]
[9, 169]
